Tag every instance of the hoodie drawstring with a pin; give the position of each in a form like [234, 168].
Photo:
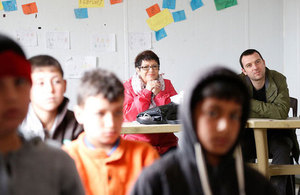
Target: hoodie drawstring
[202, 170]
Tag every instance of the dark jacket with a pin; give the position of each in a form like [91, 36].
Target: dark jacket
[277, 105]
[65, 129]
[178, 172]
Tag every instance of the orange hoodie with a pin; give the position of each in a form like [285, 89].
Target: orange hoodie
[115, 174]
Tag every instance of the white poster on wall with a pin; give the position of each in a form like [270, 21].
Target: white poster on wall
[140, 41]
[27, 38]
[58, 40]
[103, 42]
[75, 66]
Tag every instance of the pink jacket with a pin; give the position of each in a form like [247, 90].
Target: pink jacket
[136, 103]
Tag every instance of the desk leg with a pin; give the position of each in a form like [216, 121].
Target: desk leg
[261, 143]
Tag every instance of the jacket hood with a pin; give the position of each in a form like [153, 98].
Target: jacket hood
[199, 81]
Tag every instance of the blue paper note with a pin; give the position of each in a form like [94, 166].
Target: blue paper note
[169, 4]
[10, 5]
[81, 13]
[195, 4]
[179, 16]
[160, 34]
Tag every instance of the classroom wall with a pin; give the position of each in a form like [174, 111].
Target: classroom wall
[291, 54]
[205, 38]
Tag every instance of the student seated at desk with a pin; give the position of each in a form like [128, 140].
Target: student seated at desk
[144, 90]
[27, 166]
[213, 114]
[106, 163]
[48, 115]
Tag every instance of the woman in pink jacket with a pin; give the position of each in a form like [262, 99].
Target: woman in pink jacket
[144, 90]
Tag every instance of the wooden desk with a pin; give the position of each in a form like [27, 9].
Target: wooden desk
[136, 128]
[260, 127]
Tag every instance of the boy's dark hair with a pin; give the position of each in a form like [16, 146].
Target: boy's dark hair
[145, 55]
[98, 81]
[221, 89]
[7, 43]
[45, 61]
[249, 52]
[222, 83]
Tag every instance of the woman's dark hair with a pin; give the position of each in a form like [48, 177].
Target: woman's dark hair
[145, 55]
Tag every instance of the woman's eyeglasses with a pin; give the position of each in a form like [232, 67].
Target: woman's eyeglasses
[146, 68]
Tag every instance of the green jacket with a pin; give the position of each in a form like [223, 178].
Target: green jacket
[277, 95]
[278, 102]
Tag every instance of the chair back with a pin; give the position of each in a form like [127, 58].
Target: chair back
[294, 106]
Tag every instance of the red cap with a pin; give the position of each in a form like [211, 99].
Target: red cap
[12, 64]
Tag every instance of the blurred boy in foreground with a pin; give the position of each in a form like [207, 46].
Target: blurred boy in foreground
[213, 115]
[27, 166]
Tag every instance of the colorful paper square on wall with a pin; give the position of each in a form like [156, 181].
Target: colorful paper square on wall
[88, 3]
[160, 20]
[195, 4]
[222, 4]
[115, 1]
[81, 13]
[179, 16]
[29, 8]
[169, 4]
[1, 6]
[10, 5]
[154, 9]
[160, 34]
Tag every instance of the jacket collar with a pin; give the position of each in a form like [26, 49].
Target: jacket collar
[271, 89]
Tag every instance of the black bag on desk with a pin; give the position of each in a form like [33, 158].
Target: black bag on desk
[159, 115]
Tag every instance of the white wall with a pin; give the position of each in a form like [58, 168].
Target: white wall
[291, 30]
[207, 36]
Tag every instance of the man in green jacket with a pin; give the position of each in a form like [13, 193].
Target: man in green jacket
[269, 99]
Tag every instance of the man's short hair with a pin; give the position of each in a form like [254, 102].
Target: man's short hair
[45, 61]
[145, 55]
[249, 52]
[98, 81]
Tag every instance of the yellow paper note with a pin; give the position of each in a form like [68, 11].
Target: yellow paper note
[160, 20]
[90, 3]
[1, 6]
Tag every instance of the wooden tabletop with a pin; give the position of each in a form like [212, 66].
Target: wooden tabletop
[289, 123]
[136, 128]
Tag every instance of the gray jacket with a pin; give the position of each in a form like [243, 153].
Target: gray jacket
[37, 168]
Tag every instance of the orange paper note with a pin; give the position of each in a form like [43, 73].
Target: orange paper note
[115, 1]
[29, 8]
[154, 9]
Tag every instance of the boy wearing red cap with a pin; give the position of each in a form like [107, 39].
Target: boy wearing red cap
[27, 167]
